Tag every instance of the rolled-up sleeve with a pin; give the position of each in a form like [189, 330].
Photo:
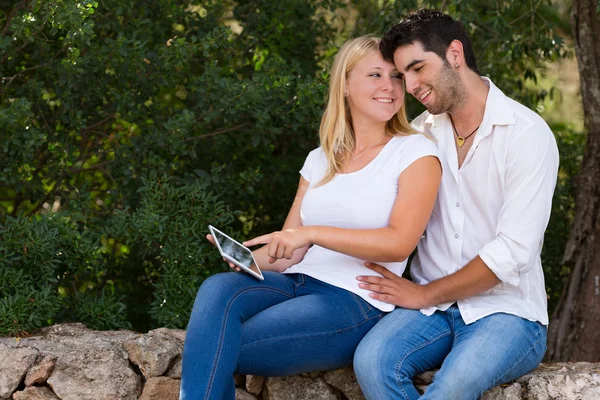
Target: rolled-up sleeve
[531, 172]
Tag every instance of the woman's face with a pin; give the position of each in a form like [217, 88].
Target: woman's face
[375, 90]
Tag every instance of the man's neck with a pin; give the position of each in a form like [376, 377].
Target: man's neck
[469, 114]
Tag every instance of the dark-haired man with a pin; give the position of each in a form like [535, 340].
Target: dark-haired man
[477, 303]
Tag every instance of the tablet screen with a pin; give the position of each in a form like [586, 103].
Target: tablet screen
[234, 250]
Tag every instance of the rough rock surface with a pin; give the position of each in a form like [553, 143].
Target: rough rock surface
[345, 381]
[254, 383]
[153, 354]
[14, 364]
[563, 381]
[305, 386]
[161, 388]
[35, 393]
[175, 370]
[87, 375]
[242, 395]
[71, 362]
[39, 374]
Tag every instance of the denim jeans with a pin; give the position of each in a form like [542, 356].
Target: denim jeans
[473, 358]
[284, 325]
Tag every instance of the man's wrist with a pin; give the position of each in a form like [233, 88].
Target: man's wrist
[428, 295]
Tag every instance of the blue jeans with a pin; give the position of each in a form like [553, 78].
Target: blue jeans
[284, 325]
[473, 358]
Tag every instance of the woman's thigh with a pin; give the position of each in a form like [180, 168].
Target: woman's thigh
[240, 293]
[317, 330]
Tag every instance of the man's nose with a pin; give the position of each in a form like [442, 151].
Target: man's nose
[411, 85]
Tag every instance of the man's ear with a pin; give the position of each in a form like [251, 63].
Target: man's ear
[455, 54]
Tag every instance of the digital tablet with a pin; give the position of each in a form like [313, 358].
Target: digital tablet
[236, 252]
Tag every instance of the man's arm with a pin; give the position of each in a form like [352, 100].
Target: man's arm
[531, 171]
[469, 281]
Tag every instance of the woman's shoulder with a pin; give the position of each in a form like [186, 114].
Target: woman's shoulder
[414, 141]
[316, 157]
[317, 154]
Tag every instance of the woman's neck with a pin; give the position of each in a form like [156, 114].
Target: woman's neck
[367, 135]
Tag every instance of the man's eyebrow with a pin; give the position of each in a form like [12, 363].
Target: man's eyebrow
[412, 64]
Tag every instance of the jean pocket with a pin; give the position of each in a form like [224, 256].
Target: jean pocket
[365, 307]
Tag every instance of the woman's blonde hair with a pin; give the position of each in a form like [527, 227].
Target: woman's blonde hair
[336, 132]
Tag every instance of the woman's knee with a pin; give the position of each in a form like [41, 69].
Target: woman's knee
[220, 287]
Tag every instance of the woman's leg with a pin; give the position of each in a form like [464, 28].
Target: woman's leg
[214, 333]
[317, 330]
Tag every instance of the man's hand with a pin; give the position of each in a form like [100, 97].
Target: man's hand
[282, 244]
[394, 289]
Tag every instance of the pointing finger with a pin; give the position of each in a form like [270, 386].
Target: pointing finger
[264, 239]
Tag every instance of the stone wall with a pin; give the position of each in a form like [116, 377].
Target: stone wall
[71, 362]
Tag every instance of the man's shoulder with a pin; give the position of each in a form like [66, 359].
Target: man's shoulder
[524, 117]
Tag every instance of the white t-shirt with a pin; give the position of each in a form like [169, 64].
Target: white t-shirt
[357, 200]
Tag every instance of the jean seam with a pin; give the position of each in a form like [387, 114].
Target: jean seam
[517, 362]
[312, 334]
[400, 362]
[223, 328]
[302, 279]
[359, 301]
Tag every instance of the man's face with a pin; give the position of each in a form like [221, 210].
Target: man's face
[429, 79]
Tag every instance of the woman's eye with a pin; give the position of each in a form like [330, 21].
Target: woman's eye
[375, 75]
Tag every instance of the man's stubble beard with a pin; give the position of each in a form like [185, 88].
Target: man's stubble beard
[450, 91]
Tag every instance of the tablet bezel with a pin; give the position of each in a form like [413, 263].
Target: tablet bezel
[258, 276]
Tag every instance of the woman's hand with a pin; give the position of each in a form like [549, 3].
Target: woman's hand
[281, 244]
[211, 239]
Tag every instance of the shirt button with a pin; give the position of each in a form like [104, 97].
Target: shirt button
[457, 204]
[456, 235]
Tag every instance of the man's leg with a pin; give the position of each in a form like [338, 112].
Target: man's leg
[403, 344]
[493, 350]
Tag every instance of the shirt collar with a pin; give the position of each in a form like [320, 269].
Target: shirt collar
[497, 110]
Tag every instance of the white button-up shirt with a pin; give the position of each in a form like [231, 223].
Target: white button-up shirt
[497, 206]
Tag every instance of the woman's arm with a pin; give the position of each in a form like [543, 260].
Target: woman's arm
[292, 221]
[418, 186]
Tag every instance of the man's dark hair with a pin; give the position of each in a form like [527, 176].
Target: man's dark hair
[434, 30]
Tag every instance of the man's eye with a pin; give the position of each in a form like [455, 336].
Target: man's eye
[418, 69]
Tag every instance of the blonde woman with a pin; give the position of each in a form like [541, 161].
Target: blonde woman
[365, 194]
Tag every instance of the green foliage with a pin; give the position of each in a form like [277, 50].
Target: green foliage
[121, 120]
[41, 260]
[167, 230]
[512, 40]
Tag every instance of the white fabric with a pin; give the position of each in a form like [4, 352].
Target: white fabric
[358, 200]
[497, 206]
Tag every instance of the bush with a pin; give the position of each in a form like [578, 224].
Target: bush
[122, 120]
